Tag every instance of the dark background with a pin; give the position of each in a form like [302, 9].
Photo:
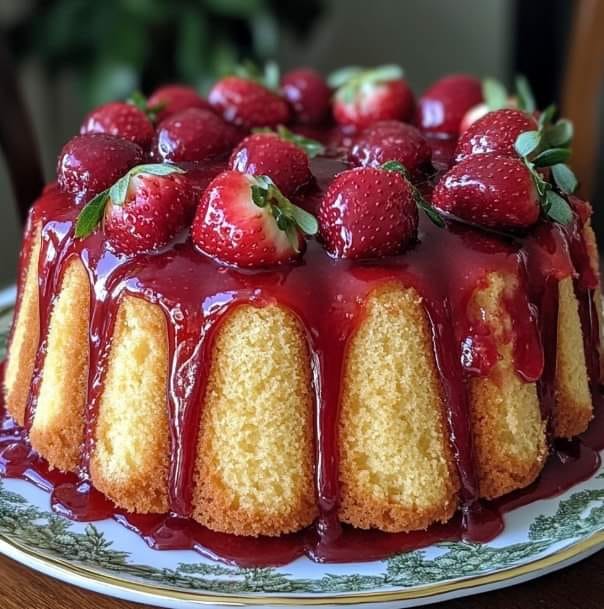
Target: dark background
[74, 54]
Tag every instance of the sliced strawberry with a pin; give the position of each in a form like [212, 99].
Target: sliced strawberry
[244, 220]
[368, 212]
[171, 99]
[308, 94]
[495, 132]
[142, 211]
[490, 190]
[88, 164]
[364, 97]
[282, 160]
[120, 119]
[192, 135]
[391, 141]
[246, 103]
[443, 106]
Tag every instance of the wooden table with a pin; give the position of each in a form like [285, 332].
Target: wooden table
[578, 587]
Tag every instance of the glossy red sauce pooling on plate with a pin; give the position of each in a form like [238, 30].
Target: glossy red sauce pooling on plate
[195, 293]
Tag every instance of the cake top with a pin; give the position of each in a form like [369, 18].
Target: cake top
[234, 170]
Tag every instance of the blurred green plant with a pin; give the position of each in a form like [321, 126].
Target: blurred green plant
[115, 46]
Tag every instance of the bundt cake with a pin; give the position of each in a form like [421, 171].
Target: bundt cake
[373, 351]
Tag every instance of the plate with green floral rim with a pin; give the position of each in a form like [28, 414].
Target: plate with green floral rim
[104, 557]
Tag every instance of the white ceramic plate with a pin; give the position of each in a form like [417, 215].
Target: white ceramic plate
[105, 557]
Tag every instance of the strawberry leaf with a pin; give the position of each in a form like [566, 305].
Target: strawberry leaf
[156, 169]
[494, 94]
[118, 192]
[564, 177]
[557, 208]
[397, 167]
[91, 215]
[340, 77]
[433, 215]
[552, 156]
[527, 142]
[546, 117]
[292, 236]
[259, 195]
[430, 211]
[268, 77]
[286, 214]
[140, 101]
[560, 134]
[349, 81]
[306, 221]
[526, 99]
[385, 73]
[312, 147]
[272, 75]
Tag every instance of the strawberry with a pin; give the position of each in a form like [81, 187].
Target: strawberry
[280, 156]
[497, 97]
[142, 211]
[495, 132]
[171, 99]
[490, 190]
[364, 97]
[244, 220]
[473, 114]
[391, 140]
[368, 212]
[443, 106]
[120, 119]
[192, 135]
[308, 94]
[88, 164]
[246, 103]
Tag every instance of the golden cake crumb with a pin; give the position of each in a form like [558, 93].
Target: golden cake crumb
[254, 473]
[508, 431]
[58, 427]
[26, 336]
[132, 441]
[396, 466]
[573, 408]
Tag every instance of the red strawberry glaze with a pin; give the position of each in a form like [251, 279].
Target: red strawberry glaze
[196, 293]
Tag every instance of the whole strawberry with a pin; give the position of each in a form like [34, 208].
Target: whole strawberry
[364, 97]
[497, 97]
[171, 99]
[489, 190]
[308, 94]
[285, 162]
[443, 106]
[120, 119]
[495, 132]
[192, 135]
[142, 211]
[391, 141]
[88, 164]
[247, 104]
[244, 220]
[368, 212]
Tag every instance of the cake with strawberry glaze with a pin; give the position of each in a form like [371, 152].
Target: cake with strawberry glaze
[264, 334]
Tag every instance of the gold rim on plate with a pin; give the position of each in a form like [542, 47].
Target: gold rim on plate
[23, 554]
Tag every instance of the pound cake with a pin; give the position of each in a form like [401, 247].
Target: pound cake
[320, 308]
